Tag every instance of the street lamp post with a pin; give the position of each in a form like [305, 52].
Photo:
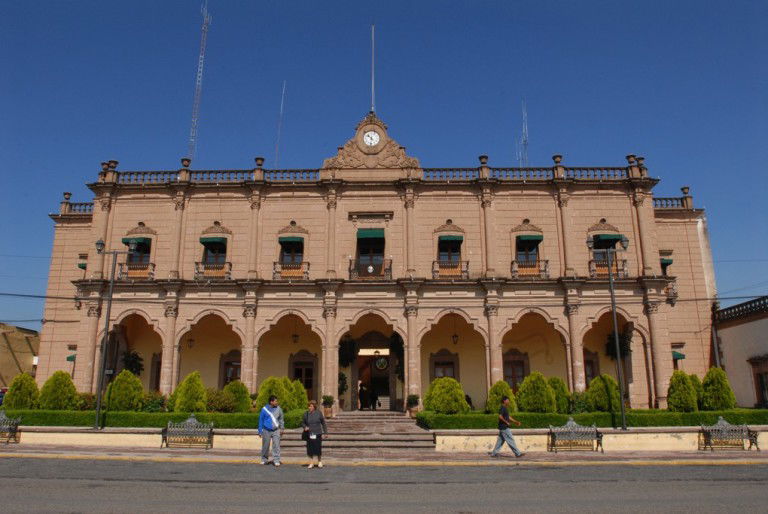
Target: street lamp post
[103, 352]
[611, 253]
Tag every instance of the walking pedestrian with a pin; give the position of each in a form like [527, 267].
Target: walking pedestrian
[315, 429]
[271, 426]
[505, 432]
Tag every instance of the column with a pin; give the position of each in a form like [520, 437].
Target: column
[166, 361]
[86, 352]
[649, 263]
[253, 232]
[496, 360]
[651, 381]
[175, 364]
[330, 255]
[410, 243]
[330, 356]
[662, 355]
[178, 220]
[490, 241]
[247, 350]
[413, 353]
[577, 350]
[100, 218]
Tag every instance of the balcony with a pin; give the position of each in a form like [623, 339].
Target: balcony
[450, 269]
[671, 293]
[213, 270]
[530, 270]
[136, 271]
[599, 268]
[290, 271]
[370, 271]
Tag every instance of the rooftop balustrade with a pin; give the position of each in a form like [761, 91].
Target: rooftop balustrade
[449, 174]
[743, 310]
[291, 175]
[521, 173]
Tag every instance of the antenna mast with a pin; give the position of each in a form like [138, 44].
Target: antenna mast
[373, 57]
[279, 128]
[522, 143]
[192, 148]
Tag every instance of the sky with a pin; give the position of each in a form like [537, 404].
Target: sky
[682, 83]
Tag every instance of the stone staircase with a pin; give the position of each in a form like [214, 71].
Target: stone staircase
[369, 432]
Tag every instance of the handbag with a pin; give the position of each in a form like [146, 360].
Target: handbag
[305, 435]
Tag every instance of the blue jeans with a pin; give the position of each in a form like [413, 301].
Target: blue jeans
[505, 436]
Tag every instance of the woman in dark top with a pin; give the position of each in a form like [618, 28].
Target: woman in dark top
[314, 425]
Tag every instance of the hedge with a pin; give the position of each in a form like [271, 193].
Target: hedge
[57, 418]
[639, 418]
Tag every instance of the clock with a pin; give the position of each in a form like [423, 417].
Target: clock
[371, 138]
[382, 363]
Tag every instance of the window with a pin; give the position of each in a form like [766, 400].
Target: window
[591, 366]
[444, 364]
[304, 372]
[602, 245]
[760, 372]
[291, 250]
[444, 369]
[215, 252]
[370, 252]
[141, 254]
[516, 368]
[665, 264]
[527, 250]
[449, 248]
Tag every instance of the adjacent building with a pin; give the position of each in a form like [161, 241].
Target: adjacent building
[18, 352]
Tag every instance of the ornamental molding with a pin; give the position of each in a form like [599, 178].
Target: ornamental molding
[603, 226]
[141, 229]
[171, 311]
[392, 155]
[217, 228]
[527, 226]
[449, 226]
[371, 119]
[370, 216]
[249, 311]
[571, 309]
[293, 228]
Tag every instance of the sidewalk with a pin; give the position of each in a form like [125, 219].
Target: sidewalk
[390, 457]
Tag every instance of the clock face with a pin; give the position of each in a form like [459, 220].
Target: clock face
[382, 363]
[371, 138]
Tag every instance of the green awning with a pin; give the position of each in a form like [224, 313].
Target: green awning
[370, 233]
[677, 356]
[81, 265]
[532, 237]
[451, 238]
[137, 240]
[71, 358]
[666, 262]
[607, 237]
[210, 240]
[290, 239]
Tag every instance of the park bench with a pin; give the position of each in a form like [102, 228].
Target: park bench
[9, 428]
[188, 433]
[573, 436]
[723, 435]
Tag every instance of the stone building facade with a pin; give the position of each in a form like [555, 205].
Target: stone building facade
[388, 272]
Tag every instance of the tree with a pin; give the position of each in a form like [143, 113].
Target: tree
[536, 395]
[125, 393]
[699, 388]
[290, 401]
[58, 392]
[271, 386]
[191, 395]
[219, 401]
[300, 397]
[562, 396]
[23, 393]
[133, 362]
[603, 394]
[445, 396]
[718, 394]
[681, 395]
[240, 394]
[497, 391]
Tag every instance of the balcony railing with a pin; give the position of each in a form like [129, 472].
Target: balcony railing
[599, 269]
[669, 203]
[450, 269]
[290, 271]
[80, 208]
[215, 271]
[370, 271]
[136, 271]
[530, 269]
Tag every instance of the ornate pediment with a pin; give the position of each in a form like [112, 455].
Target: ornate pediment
[448, 226]
[602, 226]
[371, 119]
[217, 228]
[293, 228]
[140, 229]
[527, 226]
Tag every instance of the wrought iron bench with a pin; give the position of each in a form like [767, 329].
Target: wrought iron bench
[188, 433]
[9, 428]
[573, 436]
[723, 435]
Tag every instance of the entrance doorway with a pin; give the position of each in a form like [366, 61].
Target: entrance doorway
[374, 374]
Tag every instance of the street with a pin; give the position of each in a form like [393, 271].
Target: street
[76, 485]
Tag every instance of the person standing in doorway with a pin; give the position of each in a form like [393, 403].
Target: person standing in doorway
[505, 432]
[271, 426]
[315, 429]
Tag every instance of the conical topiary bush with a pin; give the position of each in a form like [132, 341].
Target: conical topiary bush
[497, 391]
[536, 395]
[191, 395]
[562, 396]
[23, 393]
[718, 394]
[446, 396]
[681, 396]
[603, 394]
[240, 393]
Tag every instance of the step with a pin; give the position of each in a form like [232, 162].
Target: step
[368, 437]
[330, 443]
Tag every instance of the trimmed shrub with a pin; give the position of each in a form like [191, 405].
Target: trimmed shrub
[58, 392]
[219, 401]
[272, 386]
[562, 396]
[497, 391]
[300, 397]
[191, 395]
[85, 401]
[579, 402]
[696, 383]
[289, 401]
[681, 396]
[240, 393]
[536, 395]
[170, 405]
[153, 401]
[23, 393]
[125, 392]
[603, 394]
[718, 394]
[445, 396]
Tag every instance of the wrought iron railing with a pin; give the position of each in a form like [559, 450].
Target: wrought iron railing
[530, 269]
[290, 271]
[370, 271]
[448, 174]
[599, 268]
[450, 269]
[742, 310]
[216, 271]
[136, 271]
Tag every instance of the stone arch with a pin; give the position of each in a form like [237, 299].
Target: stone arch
[554, 321]
[350, 322]
[534, 339]
[154, 323]
[274, 320]
[201, 343]
[191, 322]
[621, 311]
[434, 320]
[133, 330]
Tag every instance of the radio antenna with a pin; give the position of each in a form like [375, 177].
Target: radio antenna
[522, 143]
[373, 68]
[192, 148]
[279, 127]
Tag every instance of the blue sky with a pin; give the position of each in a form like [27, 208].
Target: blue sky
[682, 83]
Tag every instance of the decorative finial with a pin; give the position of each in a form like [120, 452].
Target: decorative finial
[685, 190]
[104, 166]
[185, 162]
[483, 160]
[113, 164]
[640, 161]
[67, 196]
[557, 158]
[259, 161]
[631, 159]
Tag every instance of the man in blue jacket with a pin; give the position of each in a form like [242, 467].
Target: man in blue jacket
[271, 426]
